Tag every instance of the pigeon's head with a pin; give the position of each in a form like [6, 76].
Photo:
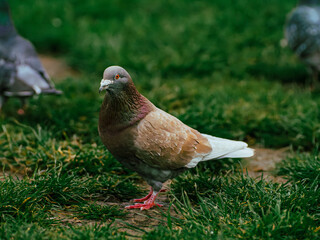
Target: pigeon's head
[115, 78]
[309, 2]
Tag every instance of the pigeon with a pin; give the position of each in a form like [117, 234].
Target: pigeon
[302, 33]
[146, 139]
[21, 72]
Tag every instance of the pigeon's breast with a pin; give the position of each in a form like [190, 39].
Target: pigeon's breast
[119, 143]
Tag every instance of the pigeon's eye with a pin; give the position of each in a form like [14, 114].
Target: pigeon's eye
[117, 76]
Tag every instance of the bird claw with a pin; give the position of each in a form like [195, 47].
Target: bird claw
[147, 197]
[142, 199]
[143, 206]
[148, 201]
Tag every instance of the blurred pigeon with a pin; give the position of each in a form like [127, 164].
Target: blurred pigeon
[21, 72]
[302, 32]
[150, 141]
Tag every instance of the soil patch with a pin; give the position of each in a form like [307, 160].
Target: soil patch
[264, 162]
[57, 68]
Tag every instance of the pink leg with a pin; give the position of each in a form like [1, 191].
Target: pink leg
[21, 111]
[148, 196]
[144, 198]
[149, 203]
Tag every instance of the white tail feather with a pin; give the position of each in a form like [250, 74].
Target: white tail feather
[243, 153]
[223, 148]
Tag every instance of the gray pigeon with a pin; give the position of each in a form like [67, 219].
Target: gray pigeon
[302, 32]
[21, 72]
[150, 141]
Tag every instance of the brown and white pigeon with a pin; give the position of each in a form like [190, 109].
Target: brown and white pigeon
[21, 72]
[150, 141]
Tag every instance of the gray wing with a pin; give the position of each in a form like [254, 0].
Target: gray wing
[19, 56]
[23, 52]
[302, 30]
[7, 74]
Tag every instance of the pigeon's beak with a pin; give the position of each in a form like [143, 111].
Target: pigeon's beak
[104, 84]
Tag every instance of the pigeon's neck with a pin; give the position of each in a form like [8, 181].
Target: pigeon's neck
[309, 2]
[7, 28]
[122, 110]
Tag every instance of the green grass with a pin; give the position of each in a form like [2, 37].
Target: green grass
[217, 66]
[34, 231]
[236, 206]
[301, 166]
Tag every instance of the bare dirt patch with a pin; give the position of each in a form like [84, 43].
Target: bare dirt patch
[264, 162]
[57, 68]
[14, 175]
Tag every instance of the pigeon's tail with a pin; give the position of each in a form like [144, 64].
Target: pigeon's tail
[243, 153]
[225, 148]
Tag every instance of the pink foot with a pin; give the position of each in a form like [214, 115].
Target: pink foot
[144, 198]
[148, 196]
[143, 206]
[21, 111]
[149, 203]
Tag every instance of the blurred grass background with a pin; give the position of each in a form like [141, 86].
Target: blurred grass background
[216, 65]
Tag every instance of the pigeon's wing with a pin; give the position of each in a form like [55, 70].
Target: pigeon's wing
[23, 52]
[164, 142]
[302, 30]
[7, 74]
[27, 82]
[20, 80]
[30, 76]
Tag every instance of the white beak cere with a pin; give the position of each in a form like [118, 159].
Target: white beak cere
[104, 84]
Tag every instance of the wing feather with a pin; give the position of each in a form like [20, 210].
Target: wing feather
[165, 142]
